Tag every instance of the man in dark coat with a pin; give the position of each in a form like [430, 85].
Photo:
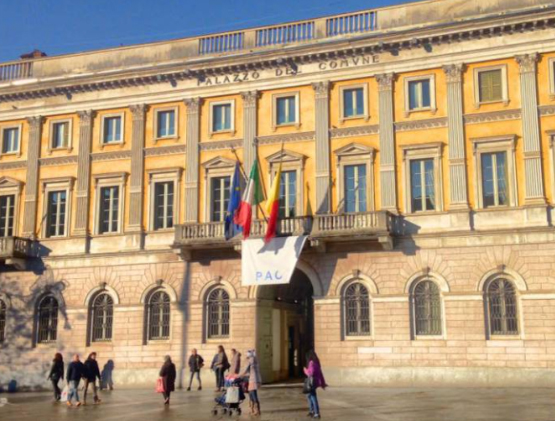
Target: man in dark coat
[92, 372]
[56, 374]
[196, 362]
[75, 371]
[168, 375]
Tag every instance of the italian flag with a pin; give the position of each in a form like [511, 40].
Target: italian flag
[252, 196]
[272, 207]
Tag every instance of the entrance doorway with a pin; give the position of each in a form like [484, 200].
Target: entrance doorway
[285, 320]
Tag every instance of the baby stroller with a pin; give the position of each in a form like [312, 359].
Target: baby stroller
[230, 400]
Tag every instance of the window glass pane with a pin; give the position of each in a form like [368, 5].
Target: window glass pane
[163, 205]
[361, 188]
[348, 101]
[112, 129]
[488, 191]
[425, 86]
[414, 100]
[6, 215]
[221, 119]
[429, 183]
[109, 209]
[288, 194]
[357, 310]
[427, 309]
[60, 135]
[286, 110]
[166, 123]
[501, 174]
[10, 141]
[350, 199]
[220, 197]
[359, 92]
[416, 185]
[355, 188]
[56, 213]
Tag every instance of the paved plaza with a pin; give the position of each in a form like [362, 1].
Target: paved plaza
[287, 403]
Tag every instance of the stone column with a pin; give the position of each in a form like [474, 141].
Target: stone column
[249, 128]
[136, 179]
[387, 142]
[534, 193]
[192, 158]
[32, 179]
[458, 198]
[82, 191]
[322, 137]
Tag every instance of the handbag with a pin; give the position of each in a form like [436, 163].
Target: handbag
[160, 385]
[308, 385]
[232, 395]
[65, 392]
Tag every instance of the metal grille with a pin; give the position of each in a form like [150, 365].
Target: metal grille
[218, 313]
[102, 315]
[47, 320]
[427, 308]
[159, 316]
[502, 308]
[2, 321]
[357, 310]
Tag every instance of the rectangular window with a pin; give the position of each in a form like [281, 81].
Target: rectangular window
[10, 140]
[353, 102]
[288, 194]
[109, 210]
[490, 84]
[286, 110]
[221, 117]
[7, 209]
[163, 205]
[220, 197]
[494, 179]
[165, 123]
[422, 185]
[56, 213]
[112, 129]
[355, 188]
[60, 135]
[419, 94]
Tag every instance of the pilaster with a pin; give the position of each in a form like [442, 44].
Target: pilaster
[534, 193]
[83, 174]
[136, 179]
[458, 197]
[31, 186]
[323, 200]
[387, 142]
[250, 99]
[192, 158]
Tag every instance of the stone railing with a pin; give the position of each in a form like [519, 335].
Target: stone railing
[14, 247]
[199, 233]
[363, 223]
[351, 23]
[288, 226]
[16, 70]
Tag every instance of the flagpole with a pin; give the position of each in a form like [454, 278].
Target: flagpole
[258, 207]
[240, 164]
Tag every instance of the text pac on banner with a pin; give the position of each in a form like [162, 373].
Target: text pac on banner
[272, 263]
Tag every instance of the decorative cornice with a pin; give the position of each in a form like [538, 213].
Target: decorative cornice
[432, 123]
[166, 150]
[250, 98]
[221, 144]
[285, 138]
[385, 81]
[353, 131]
[193, 105]
[14, 165]
[547, 109]
[59, 160]
[453, 72]
[527, 62]
[110, 156]
[492, 116]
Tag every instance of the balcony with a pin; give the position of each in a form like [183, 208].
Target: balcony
[14, 251]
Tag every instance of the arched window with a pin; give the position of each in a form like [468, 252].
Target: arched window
[102, 317]
[217, 312]
[2, 321]
[357, 310]
[158, 316]
[47, 318]
[426, 303]
[501, 304]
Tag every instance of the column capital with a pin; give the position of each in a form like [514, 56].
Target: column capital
[193, 105]
[138, 111]
[453, 72]
[527, 62]
[85, 117]
[35, 121]
[322, 89]
[385, 81]
[250, 98]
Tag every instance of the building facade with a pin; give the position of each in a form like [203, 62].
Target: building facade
[417, 145]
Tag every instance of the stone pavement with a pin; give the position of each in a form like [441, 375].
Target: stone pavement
[287, 403]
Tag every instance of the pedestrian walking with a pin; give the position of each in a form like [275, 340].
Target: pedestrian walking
[75, 371]
[56, 373]
[92, 372]
[196, 362]
[314, 380]
[220, 364]
[168, 375]
[235, 366]
[255, 381]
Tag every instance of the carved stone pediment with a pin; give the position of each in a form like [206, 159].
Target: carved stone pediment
[10, 183]
[218, 162]
[285, 156]
[354, 149]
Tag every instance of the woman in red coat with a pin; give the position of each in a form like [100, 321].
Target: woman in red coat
[168, 375]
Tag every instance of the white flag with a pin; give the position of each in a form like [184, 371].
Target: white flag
[270, 263]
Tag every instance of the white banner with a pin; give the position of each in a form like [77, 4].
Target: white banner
[272, 263]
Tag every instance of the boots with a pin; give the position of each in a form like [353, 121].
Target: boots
[257, 409]
[251, 407]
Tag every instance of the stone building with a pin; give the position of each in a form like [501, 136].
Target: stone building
[417, 144]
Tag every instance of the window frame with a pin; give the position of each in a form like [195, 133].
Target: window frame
[158, 110]
[518, 313]
[37, 320]
[297, 122]
[355, 154]
[358, 336]
[92, 318]
[290, 161]
[551, 135]
[50, 148]
[9, 187]
[551, 72]
[433, 105]
[103, 118]
[208, 336]
[412, 305]
[366, 114]
[216, 167]
[19, 128]
[493, 144]
[231, 130]
[411, 153]
[172, 175]
[504, 85]
[109, 180]
[51, 185]
[4, 308]
[148, 315]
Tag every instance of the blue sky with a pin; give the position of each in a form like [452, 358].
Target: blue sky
[68, 26]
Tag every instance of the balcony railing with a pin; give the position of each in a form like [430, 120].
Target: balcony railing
[15, 71]
[288, 226]
[352, 224]
[14, 247]
[285, 34]
[352, 23]
[221, 43]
